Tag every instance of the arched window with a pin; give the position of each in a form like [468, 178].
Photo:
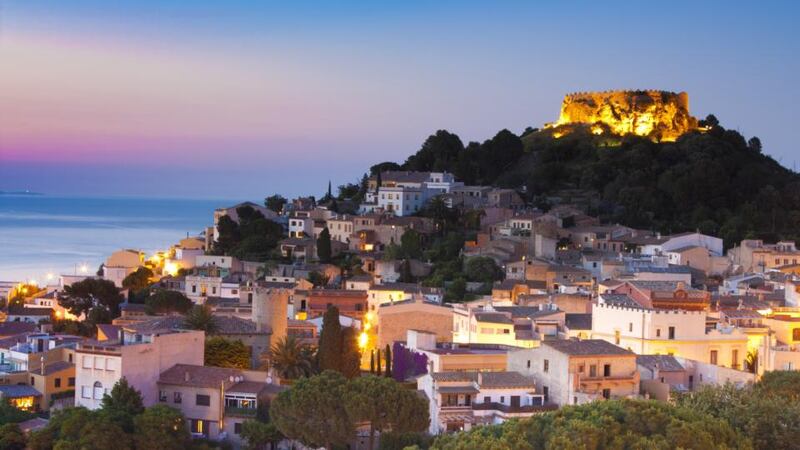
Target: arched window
[98, 390]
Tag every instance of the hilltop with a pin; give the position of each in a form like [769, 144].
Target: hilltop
[709, 178]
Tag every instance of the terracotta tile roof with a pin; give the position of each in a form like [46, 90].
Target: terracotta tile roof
[586, 347]
[197, 376]
[57, 366]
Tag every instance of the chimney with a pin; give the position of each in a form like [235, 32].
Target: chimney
[480, 379]
[41, 360]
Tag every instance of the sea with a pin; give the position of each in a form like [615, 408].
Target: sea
[43, 236]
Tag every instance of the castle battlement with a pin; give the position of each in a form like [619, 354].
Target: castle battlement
[645, 310]
[658, 114]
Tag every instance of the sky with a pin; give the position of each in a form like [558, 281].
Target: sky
[234, 99]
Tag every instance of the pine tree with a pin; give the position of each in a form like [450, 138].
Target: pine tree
[388, 361]
[330, 341]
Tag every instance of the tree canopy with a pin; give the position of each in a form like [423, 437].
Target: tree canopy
[163, 301]
[221, 352]
[138, 279]
[612, 424]
[253, 238]
[92, 294]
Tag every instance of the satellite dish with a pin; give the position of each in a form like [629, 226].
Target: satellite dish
[269, 380]
[231, 379]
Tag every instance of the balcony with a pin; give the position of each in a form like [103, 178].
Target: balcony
[493, 406]
[632, 377]
[240, 412]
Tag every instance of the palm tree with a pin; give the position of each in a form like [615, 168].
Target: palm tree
[200, 317]
[290, 358]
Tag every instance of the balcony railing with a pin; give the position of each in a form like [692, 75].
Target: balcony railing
[493, 406]
[242, 412]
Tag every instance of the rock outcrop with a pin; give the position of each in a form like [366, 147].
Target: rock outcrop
[659, 115]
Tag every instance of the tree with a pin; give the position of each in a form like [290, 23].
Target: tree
[351, 354]
[603, 425]
[91, 293]
[164, 301]
[378, 370]
[411, 244]
[138, 279]
[372, 362]
[221, 352]
[385, 404]
[228, 235]
[313, 411]
[317, 279]
[388, 354]
[103, 434]
[275, 202]
[10, 414]
[12, 438]
[456, 290]
[324, 246]
[482, 269]
[163, 428]
[290, 358]
[330, 341]
[200, 317]
[405, 272]
[122, 404]
[258, 434]
[769, 418]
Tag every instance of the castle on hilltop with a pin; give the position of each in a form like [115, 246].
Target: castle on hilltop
[660, 115]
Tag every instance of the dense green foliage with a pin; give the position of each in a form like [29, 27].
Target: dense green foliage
[715, 181]
[258, 435]
[613, 424]
[230, 353]
[121, 424]
[324, 246]
[291, 359]
[164, 301]
[254, 238]
[768, 413]
[99, 299]
[275, 202]
[138, 279]
[11, 437]
[200, 317]
[338, 346]
[313, 411]
[10, 414]
[322, 410]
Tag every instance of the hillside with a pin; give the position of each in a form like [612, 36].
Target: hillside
[715, 181]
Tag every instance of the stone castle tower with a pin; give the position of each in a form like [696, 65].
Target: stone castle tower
[270, 309]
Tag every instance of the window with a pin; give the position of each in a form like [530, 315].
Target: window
[546, 366]
[606, 370]
[546, 392]
[735, 358]
[202, 400]
[581, 368]
[237, 428]
[592, 370]
[176, 397]
[671, 332]
[71, 381]
[606, 394]
[33, 381]
[616, 337]
[194, 288]
[529, 364]
[87, 362]
[57, 382]
[502, 399]
[250, 298]
[658, 332]
[86, 392]
[487, 399]
[713, 358]
[162, 396]
[98, 390]
[796, 334]
[630, 326]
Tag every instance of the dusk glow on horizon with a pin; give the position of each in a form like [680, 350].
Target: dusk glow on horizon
[95, 97]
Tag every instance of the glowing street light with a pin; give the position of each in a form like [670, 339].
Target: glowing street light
[363, 339]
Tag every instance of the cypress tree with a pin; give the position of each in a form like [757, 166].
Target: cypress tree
[378, 360]
[330, 341]
[372, 361]
[324, 246]
[350, 362]
[388, 361]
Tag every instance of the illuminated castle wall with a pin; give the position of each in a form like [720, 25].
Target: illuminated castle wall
[660, 115]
